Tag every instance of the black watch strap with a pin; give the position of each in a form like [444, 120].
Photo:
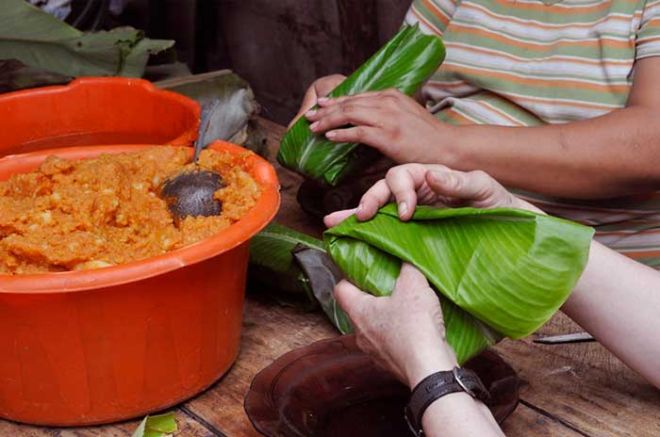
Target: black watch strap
[440, 384]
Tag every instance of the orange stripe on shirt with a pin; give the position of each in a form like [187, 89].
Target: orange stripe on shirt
[583, 105]
[451, 114]
[437, 12]
[421, 18]
[639, 254]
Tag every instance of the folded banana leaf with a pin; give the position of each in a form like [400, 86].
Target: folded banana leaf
[405, 63]
[231, 103]
[272, 263]
[14, 76]
[296, 264]
[498, 272]
[38, 39]
[322, 275]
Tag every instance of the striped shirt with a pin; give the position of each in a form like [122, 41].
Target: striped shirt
[533, 62]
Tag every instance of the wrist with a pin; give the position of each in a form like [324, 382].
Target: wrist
[431, 360]
[447, 146]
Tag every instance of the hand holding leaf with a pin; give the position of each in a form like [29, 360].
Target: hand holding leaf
[410, 185]
[405, 332]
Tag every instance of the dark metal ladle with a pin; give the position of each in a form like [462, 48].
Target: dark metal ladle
[190, 193]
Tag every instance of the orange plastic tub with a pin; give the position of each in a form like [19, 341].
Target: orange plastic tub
[99, 346]
[95, 111]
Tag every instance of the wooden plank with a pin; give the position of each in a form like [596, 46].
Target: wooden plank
[583, 385]
[269, 330]
[526, 421]
[569, 390]
[188, 426]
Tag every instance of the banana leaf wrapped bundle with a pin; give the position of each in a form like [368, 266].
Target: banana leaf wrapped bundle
[404, 63]
[498, 272]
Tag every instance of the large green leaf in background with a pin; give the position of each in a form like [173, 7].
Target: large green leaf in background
[405, 63]
[499, 272]
[38, 39]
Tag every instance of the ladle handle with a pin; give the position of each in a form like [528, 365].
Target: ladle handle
[208, 109]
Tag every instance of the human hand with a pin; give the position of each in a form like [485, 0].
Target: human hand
[411, 184]
[404, 332]
[320, 88]
[389, 121]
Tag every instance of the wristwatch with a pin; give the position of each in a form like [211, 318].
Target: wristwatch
[437, 385]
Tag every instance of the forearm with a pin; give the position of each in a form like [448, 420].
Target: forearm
[612, 155]
[458, 414]
[618, 301]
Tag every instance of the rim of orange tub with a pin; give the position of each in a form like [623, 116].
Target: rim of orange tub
[79, 88]
[72, 281]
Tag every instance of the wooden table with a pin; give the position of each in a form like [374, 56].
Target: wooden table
[568, 390]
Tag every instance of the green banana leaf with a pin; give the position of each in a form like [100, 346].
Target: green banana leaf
[405, 63]
[498, 272]
[156, 426]
[40, 40]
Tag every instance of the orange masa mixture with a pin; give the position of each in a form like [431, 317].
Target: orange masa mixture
[72, 215]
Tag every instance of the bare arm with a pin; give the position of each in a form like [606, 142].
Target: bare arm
[405, 333]
[615, 154]
[611, 155]
[618, 301]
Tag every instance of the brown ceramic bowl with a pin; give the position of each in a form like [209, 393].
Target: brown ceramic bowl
[331, 388]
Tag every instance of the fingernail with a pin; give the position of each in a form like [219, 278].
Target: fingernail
[331, 134]
[311, 113]
[314, 125]
[323, 100]
[403, 208]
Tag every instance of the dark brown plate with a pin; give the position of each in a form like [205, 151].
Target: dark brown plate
[331, 388]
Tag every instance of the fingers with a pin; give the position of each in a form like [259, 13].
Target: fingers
[320, 88]
[337, 217]
[388, 94]
[367, 109]
[356, 114]
[410, 279]
[473, 186]
[350, 298]
[370, 136]
[404, 181]
[375, 198]
[401, 183]
[309, 101]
